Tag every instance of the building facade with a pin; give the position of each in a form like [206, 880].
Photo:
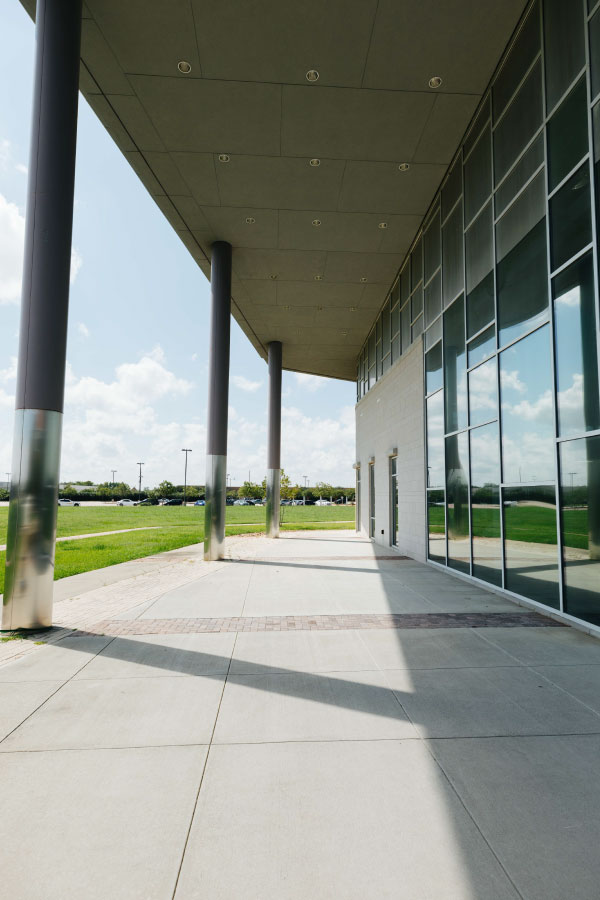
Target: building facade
[478, 414]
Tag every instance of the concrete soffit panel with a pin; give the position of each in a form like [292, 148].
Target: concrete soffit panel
[212, 107]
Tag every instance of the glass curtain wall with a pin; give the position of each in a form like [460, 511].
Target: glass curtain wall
[510, 312]
[394, 501]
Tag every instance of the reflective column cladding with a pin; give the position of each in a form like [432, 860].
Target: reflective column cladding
[274, 447]
[44, 310]
[504, 273]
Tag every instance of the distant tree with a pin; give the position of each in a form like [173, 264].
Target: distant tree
[323, 489]
[165, 489]
[286, 491]
[4, 494]
[250, 491]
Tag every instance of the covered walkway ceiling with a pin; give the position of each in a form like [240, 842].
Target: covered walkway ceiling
[247, 101]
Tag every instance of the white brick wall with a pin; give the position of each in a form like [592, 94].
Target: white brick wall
[391, 415]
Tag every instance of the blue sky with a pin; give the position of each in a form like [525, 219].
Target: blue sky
[138, 324]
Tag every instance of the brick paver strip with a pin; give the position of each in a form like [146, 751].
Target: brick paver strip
[349, 622]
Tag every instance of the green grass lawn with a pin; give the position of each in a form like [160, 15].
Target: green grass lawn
[178, 527]
[536, 524]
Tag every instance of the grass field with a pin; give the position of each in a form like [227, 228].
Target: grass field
[178, 527]
[535, 524]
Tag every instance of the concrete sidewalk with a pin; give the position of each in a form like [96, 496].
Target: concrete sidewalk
[305, 720]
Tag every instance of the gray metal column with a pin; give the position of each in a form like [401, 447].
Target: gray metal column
[218, 400]
[44, 310]
[274, 438]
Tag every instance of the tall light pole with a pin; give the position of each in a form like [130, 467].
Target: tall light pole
[185, 450]
[8, 481]
[140, 487]
[305, 486]
[114, 471]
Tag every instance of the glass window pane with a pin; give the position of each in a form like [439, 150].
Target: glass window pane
[481, 346]
[436, 526]
[432, 243]
[433, 333]
[417, 328]
[482, 117]
[433, 369]
[371, 349]
[527, 410]
[526, 46]
[455, 370]
[596, 125]
[483, 393]
[595, 52]
[416, 307]
[480, 305]
[564, 46]
[386, 328]
[580, 504]
[485, 504]
[520, 122]
[435, 441]
[433, 299]
[570, 217]
[405, 327]
[452, 189]
[576, 352]
[522, 277]
[479, 259]
[378, 364]
[452, 256]
[405, 283]
[478, 175]
[521, 173]
[567, 135]
[386, 363]
[457, 501]
[395, 320]
[530, 543]
[396, 348]
[416, 264]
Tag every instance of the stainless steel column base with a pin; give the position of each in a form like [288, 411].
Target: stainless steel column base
[29, 579]
[273, 502]
[214, 511]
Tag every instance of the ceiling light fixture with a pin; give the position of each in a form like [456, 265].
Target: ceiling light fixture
[363, 280]
[315, 162]
[312, 75]
[382, 225]
[273, 276]
[318, 278]
[352, 308]
[250, 220]
[184, 67]
[224, 157]
[344, 333]
[316, 222]
[404, 167]
[435, 82]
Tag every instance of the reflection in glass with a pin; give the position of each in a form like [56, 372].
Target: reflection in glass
[478, 175]
[452, 189]
[386, 328]
[485, 503]
[395, 320]
[567, 135]
[481, 118]
[530, 543]
[479, 260]
[417, 303]
[520, 174]
[433, 369]
[432, 244]
[435, 441]
[596, 128]
[519, 124]
[417, 328]
[452, 256]
[576, 353]
[455, 368]
[394, 499]
[405, 283]
[433, 334]
[595, 52]
[580, 505]
[483, 393]
[564, 46]
[433, 299]
[522, 263]
[481, 346]
[527, 410]
[405, 326]
[457, 501]
[570, 217]
[436, 526]
[416, 264]
[518, 61]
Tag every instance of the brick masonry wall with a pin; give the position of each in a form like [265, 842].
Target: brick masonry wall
[391, 415]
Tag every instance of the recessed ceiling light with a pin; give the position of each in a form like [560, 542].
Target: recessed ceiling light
[382, 225]
[287, 307]
[318, 278]
[363, 280]
[435, 82]
[315, 162]
[250, 220]
[184, 67]
[404, 167]
[344, 333]
[319, 309]
[352, 308]
[224, 157]
[273, 276]
[312, 75]
[316, 222]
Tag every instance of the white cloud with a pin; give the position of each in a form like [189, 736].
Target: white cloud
[10, 373]
[309, 382]
[12, 237]
[22, 168]
[83, 330]
[244, 384]
[76, 264]
[5, 154]
[570, 298]
[511, 381]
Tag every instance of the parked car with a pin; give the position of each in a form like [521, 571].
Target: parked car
[200, 503]
[62, 502]
[229, 501]
[149, 501]
[322, 503]
[126, 502]
[286, 503]
[243, 502]
[173, 502]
